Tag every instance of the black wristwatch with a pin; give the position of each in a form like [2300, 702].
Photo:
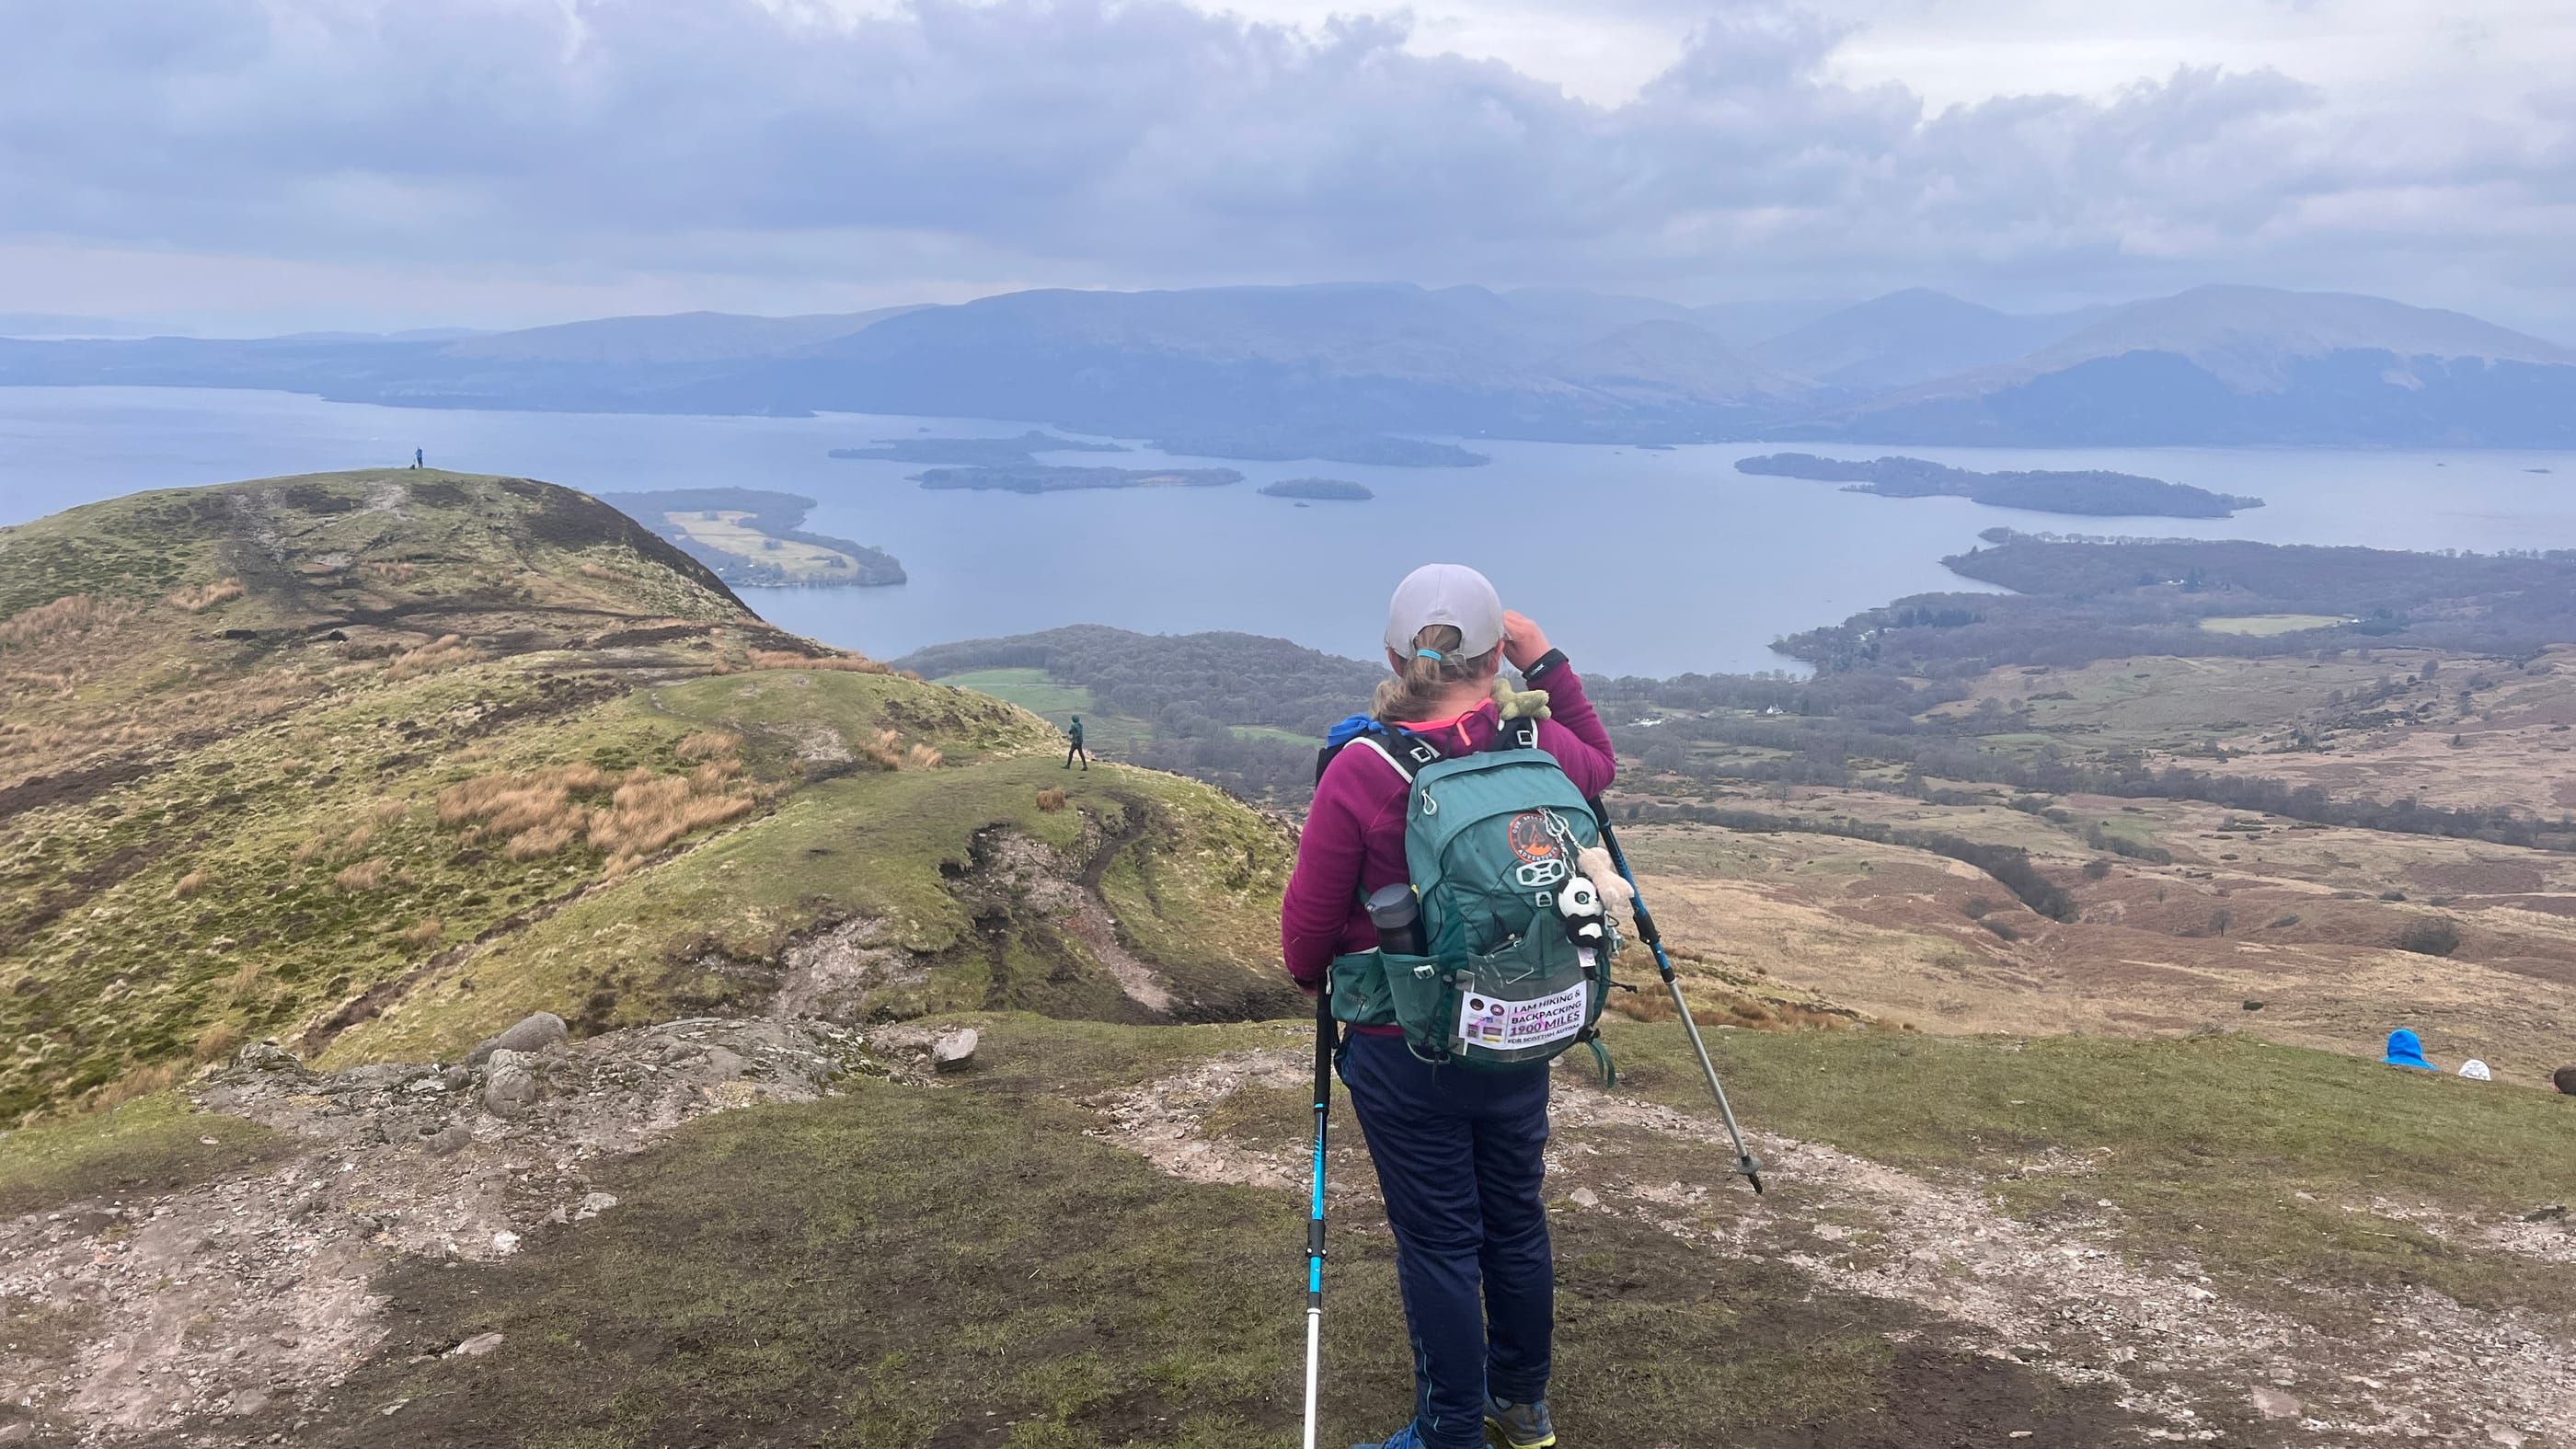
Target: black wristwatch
[1542, 666]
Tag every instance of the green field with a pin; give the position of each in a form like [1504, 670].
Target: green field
[1057, 703]
[2266, 625]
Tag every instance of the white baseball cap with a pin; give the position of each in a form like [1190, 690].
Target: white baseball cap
[2476, 1071]
[1451, 594]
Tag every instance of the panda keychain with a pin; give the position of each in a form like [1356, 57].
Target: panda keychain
[1586, 924]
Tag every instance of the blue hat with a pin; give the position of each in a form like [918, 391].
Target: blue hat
[2405, 1050]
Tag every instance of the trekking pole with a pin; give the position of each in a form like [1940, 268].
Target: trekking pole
[1746, 1163]
[1315, 1215]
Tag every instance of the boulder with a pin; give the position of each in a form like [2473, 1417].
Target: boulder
[531, 1034]
[475, 1347]
[448, 1140]
[510, 1090]
[268, 1056]
[954, 1052]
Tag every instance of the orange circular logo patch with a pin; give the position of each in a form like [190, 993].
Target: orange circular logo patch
[1531, 839]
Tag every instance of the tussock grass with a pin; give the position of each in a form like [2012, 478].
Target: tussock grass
[19, 738]
[391, 571]
[68, 617]
[366, 875]
[191, 883]
[707, 745]
[448, 651]
[198, 598]
[426, 932]
[1051, 800]
[651, 812]
[545, 813]
[788, 659]
[143, 1081]
[887, 751]
[218, 1041]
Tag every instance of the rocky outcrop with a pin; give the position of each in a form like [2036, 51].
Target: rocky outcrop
[216, 1303]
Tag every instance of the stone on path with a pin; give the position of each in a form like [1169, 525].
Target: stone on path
[955, 1052]
[475, 1347]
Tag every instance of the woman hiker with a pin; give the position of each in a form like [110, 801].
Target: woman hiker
[1458, 1152]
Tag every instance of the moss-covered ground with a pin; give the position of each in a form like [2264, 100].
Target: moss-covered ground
[145, 1147]
[2262, 1162]
[911, 1268]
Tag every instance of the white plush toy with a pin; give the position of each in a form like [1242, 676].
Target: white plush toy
[1616, 894]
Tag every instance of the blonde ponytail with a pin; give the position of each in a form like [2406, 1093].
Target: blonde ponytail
[1436, 666]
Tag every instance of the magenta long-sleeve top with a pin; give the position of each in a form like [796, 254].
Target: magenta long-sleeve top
[1354, 837]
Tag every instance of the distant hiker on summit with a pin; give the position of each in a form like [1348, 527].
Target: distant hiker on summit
[1073, 745]
[1451, 1081]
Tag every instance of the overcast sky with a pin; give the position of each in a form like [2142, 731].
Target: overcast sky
[265, 164]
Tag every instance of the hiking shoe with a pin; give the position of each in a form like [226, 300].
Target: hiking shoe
[1518, 1426]
[1408, 1437]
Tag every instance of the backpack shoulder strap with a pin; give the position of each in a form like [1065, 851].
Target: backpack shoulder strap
[1407, 752]
[1515, 734]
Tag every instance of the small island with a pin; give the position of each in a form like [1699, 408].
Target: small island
[748, 536]
[973, 452]
[2090, 493]
[1288, 442]
[1048, 478]
[1333, 490]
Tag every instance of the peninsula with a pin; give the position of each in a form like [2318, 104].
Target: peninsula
[1048, 478]
[973, 452]
[748, 536]
[2090, 493]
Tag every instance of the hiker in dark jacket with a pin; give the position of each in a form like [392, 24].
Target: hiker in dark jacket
[1458, 1152]
[1073, 733]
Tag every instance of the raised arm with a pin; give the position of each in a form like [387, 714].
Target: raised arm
[1573, 731]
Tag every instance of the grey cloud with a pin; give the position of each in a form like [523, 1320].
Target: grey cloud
[1089, 141]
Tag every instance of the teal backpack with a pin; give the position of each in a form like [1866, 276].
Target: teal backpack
[1490, 843]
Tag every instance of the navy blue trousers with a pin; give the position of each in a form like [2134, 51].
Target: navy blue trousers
[1459, 1160]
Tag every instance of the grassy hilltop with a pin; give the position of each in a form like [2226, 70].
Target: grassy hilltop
[374, 765]
[379, 762]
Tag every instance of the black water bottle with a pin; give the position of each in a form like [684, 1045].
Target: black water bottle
[1397, 914]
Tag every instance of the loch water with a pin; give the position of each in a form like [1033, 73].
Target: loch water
[1638, 560]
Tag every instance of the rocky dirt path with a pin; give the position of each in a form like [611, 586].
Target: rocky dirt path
[2073, 1298]
[134, 1317]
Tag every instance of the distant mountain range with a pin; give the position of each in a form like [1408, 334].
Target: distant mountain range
[2212, 365]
